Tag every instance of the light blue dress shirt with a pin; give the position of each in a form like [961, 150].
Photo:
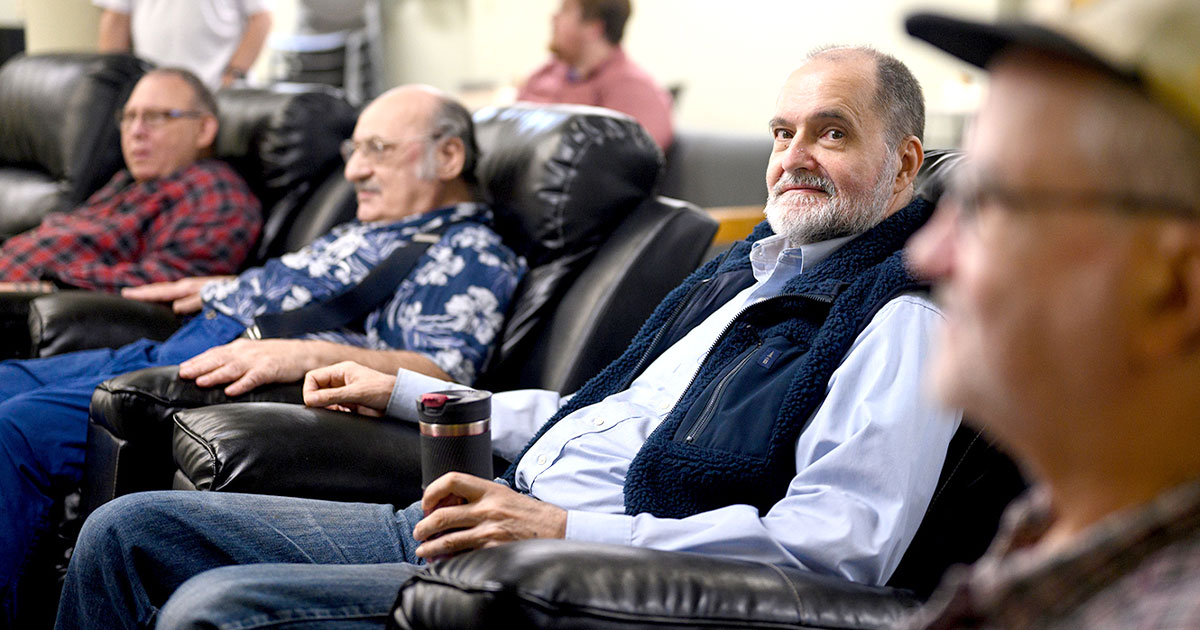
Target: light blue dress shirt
[867, 463]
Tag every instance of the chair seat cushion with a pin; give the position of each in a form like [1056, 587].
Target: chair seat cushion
[567, 584]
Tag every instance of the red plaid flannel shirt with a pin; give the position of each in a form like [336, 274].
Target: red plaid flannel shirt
[201, 220]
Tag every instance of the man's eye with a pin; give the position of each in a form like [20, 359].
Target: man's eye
[835, 134]
[782, 134]
[376, 146]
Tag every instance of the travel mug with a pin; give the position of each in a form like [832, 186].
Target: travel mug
[456, 433]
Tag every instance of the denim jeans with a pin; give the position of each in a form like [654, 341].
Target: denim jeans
[43, 431]
[221, 560]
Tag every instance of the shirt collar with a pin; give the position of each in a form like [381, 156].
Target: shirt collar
[768, 253]
[573, 75]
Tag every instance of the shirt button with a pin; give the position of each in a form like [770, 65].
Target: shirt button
[541, 460]
[598, 422]
[210, 314]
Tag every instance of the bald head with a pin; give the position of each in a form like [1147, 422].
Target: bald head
[414, 151]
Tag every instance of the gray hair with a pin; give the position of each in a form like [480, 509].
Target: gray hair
[202, 97]
[898, 95]
[452, 120]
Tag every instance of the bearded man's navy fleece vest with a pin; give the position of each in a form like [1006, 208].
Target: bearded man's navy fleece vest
[731, 437]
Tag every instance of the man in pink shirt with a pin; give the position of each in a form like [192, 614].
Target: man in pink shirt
[590, 68]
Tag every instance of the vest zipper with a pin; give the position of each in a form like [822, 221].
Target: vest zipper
[710, 407]
[824, 299]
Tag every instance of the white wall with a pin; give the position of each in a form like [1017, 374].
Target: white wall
[10, 13]
[59, 25]
[729, 55]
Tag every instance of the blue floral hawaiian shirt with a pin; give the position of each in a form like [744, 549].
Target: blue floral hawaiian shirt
[450, 308]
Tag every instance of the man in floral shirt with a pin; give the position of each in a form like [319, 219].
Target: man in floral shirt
[411, 160]
[172, 213]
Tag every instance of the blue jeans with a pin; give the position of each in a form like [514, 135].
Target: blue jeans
[43, 431]
[223, 560]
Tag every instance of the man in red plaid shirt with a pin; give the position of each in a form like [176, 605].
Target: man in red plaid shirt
[172, 213]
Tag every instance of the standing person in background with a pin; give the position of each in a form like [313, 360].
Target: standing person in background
[590, 67]
[217, 39]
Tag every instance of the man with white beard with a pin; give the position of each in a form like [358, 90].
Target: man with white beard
[770, 410]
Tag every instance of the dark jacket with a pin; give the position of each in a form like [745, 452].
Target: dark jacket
[731, 437]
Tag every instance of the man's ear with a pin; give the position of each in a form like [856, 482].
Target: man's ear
[912, 156]
[451, 155]
[1173, 309]
[208, 133]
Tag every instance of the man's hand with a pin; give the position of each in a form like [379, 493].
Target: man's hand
[184, 295]
[246, 364]
[464, 512]
[348, 386]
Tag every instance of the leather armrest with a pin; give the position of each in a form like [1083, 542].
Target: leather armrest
[14, 324]
[294, 450]
[569, 584]
[131, 420]
[80, 320]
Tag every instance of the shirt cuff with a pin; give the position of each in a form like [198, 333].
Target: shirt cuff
[613, 529]
[408, 389]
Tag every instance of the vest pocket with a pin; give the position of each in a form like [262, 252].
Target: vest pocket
[737, 411]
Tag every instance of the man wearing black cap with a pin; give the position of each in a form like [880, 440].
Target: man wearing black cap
[1069, 269]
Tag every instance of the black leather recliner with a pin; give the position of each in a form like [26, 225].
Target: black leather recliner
[58, 139]
[285, 145]
[538, 584]
[322, 454]
[58, 145]
[573, 190]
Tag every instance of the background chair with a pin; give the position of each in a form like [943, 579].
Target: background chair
[58, 145]
[285, 145]
[58, 142]
[572, 190]
[538, 584]
[721, 172]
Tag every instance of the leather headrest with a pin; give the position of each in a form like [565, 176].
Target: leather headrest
[280, 140]
[937, 172]
[58, 116]
[562, 176]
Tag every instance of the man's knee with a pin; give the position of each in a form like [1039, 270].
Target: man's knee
[121, 523]
[205, 600]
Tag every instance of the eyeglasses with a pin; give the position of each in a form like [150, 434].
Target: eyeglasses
[971, 196]
[155, 118]
[376, 149]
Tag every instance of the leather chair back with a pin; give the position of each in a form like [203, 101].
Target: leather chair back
[285, 145]
[58, 139]
[714, 169]
[572, 188]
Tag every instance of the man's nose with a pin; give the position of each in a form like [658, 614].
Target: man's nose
[931, 251]
[357, 167]
[799, 157]
[138, 126]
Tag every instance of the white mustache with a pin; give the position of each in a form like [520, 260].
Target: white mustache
[789, 178]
